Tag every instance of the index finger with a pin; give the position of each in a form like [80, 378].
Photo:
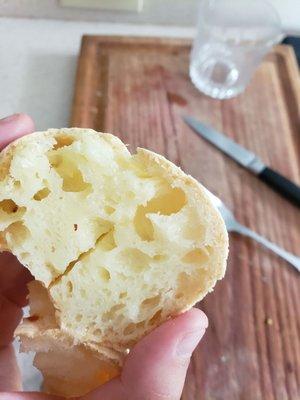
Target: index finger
[13, 127]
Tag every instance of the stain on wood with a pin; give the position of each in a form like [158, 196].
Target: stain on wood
[139, 89]
[33, 318]
[176, 98]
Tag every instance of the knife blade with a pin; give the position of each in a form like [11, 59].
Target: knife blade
[247, 159]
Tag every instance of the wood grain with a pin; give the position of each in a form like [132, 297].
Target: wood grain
[139, 89]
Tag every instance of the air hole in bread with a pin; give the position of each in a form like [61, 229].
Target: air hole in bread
[51, 268]
[151, 301]
[69, 287]
[187, 282]
[131, 327]
[41, 194]
[24, 256]
[17, 185]
[197, 256]
[109, 210]
[123, 295]
[143, 225]
[62, 141]
[183, 281]
[131, 195]
[17, 233]
[107, 241]
[3, 241]
[104, 274]
[78, 317]
[5, 167]
[83, 293]
[169, 202]
[119, 318]
[8, 206]
[135, 259]
[103, 226]
[71, 175]
[160, 257]
[111, 313]
[156, 318]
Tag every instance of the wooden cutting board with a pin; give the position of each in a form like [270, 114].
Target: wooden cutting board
[139, 89]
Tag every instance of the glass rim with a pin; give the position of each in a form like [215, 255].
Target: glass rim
[209, 4]
[274, 24]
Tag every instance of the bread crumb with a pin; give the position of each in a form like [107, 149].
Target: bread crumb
[269, 321]
[224, 358]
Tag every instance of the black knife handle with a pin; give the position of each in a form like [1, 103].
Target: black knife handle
[281, 184]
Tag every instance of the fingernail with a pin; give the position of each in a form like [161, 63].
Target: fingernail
[9, 118]
[188, 343]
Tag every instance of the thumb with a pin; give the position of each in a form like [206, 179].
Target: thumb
[13, 127]
[156, 367]
[158, 364]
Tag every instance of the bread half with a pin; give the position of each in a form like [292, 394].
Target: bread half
[117, 243]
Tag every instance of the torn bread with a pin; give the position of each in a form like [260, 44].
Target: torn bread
[117, 243]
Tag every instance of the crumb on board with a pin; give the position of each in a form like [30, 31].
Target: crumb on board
[269, 321]
[224, 358]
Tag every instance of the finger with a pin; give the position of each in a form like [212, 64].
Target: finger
[13, 279]
[28, 396]
[164, 357]
[10, 316]
[13, 127]
[10, 376]
[156, 367]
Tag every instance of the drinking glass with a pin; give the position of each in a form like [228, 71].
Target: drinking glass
[232, 38]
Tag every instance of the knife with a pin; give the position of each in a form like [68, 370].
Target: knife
[247, 159]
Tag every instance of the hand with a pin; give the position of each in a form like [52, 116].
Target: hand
[156, 367]
[13, 277]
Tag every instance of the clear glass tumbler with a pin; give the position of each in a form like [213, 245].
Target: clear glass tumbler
[232, 38]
